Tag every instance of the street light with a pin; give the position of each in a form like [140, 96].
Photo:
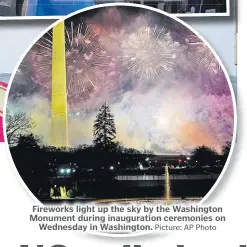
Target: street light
[62, 171]
[111, 168]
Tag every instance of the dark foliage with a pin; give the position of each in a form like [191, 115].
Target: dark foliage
[17, 124]
[104, 129]
[225, 151]
[92, 168]
[204, 155]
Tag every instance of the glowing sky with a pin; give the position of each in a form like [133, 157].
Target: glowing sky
[163, 84]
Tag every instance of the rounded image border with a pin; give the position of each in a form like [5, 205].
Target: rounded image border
[154, 10]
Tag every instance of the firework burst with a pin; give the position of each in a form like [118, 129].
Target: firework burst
[87, 61]
[203, 55]
[149, 52]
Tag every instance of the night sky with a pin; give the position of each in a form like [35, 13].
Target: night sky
[166, 89]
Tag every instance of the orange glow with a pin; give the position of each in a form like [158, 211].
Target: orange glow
[197, 134]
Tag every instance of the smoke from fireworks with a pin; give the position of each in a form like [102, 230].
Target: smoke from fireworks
[149, 52]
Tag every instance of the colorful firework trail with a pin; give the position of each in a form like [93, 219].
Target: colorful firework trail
[163, 84]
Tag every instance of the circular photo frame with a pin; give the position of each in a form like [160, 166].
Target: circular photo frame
[120, 103]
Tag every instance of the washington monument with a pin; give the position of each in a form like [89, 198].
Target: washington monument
[59, 115]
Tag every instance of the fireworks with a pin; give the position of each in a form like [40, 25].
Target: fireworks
[149, 52]
[86, 62]
[127, 61]
[203, 55]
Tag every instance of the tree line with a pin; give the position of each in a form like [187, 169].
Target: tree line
[37, 162]
[103, 151]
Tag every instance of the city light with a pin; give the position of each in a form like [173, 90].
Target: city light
[66, 171]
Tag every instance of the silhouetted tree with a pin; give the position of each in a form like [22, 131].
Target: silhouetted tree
[225, 152]
[119, 147]
[17, 124]
[32, 163]
[29, 141]
[226, 148]
[204, 155]
[104, 129]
